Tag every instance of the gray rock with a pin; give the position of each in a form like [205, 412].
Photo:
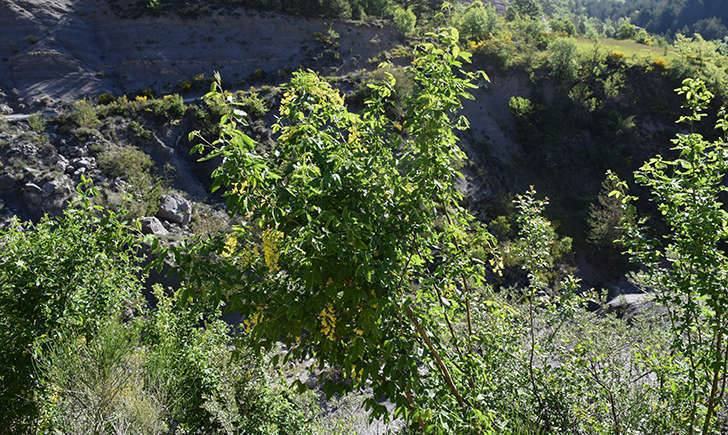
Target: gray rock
[56, 188]
[33, 194]
[61, 165]
[84, 162]
[8, 183]
[175, 208]
[5, 109]
[152, 225]
[629, 305]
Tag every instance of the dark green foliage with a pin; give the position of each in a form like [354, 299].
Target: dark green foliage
[657, 16]
[524, 9]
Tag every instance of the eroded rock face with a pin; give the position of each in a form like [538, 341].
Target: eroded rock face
[175, 208]
[66, 49]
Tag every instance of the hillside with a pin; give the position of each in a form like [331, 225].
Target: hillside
[360, 216]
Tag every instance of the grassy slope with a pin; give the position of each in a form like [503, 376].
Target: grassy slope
[631, 49]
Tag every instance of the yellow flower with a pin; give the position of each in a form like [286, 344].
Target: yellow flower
[230, 244]
[328, 321]
[141, 98]
[271, 239]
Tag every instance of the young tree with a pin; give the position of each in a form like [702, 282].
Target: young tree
[355, 243]
[687, 265]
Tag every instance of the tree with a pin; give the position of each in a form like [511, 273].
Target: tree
[687, 264]
[477, 21]
[355, 243]
[523, 8]
[605, 218]
[404, 20]
[562, 59]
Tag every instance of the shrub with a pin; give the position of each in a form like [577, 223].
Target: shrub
[143, 190]
[685, 259]
[212, 386]
[37, 124]
[106, 99]
[521, 107]
[604, 223]
[562, 26]
[643, 37]
[124, 162]
[626, 30]
[523, 9]
[84, 115]
[58, 278]
[477, 21]
[659, 63]
[616, 56]
[562, 59]
[404, 20]
[170, 107]
[98, 385]
[253, 104]
[140, 132]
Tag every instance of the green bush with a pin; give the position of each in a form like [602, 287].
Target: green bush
[562, 60]
[170, 107]
[82, 121]
[562, 26]
[124, 162]
[521, 107]
[404, 20]
[143, 190]
[626, 30]
[477, 21]
[58, 278]
[37, 124]
[252, 103]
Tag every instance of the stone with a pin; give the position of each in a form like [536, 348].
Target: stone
[628, 305]
[152, 225]
[56, 188]
[8, 183]
[33, 194]
[175, 208]
[5, 109]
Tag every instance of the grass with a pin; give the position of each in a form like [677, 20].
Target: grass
[632, 50]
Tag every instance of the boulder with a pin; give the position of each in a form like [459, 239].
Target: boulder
[5, 110]
[57, 188]
[175, 208]
[152, 225]
[33, 194]
[629, 305]
[8, 183]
